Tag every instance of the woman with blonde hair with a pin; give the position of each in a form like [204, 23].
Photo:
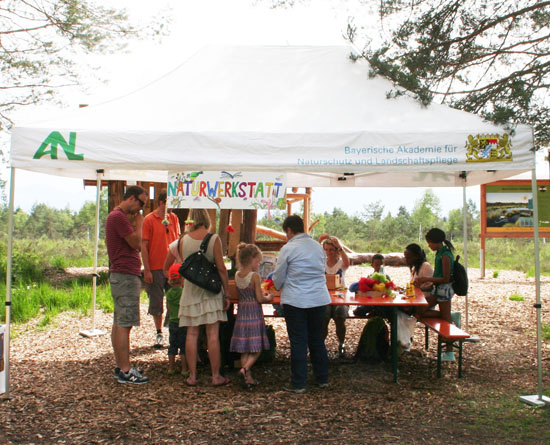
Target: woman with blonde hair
[199, 306]
[337, 262]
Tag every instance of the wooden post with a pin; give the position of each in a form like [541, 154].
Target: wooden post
[248, 235]
[223, 234]
[115, 192]
[482, 256]
[151, 204]
[212, 214]
[182, 216]
[235, 237]
[307, 209]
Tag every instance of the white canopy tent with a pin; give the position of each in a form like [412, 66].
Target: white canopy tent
[312, 112]
[292, 109]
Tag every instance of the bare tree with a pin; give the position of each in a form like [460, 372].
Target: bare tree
[41, 41]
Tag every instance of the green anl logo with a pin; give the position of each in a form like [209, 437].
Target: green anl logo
[53, 140]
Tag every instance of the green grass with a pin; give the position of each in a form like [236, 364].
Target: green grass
[33, 296]
[506, 254]
[31, 258]
[45, 301]
[506, 418]
[546, 331]
[516, 297]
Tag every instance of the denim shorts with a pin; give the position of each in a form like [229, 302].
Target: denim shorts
[444, 292]
[125, 289]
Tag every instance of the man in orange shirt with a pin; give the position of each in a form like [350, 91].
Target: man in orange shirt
[160, 228]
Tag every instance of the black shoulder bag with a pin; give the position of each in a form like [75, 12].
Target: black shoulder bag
[198, 270]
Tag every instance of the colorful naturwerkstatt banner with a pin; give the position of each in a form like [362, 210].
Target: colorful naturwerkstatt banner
[226, 190]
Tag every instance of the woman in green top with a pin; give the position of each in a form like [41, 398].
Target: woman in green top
[442, 278]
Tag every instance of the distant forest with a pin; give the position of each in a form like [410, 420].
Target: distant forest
[370, 229]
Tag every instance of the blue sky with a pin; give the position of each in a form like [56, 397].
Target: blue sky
[193, 25]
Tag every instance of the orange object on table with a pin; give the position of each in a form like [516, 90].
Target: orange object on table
[333, 281]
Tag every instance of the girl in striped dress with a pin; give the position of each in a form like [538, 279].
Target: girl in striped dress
[249, 335]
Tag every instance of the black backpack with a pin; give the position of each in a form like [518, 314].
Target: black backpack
[374, 345]
[460, 279]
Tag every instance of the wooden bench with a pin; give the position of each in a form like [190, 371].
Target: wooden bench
[448, 334]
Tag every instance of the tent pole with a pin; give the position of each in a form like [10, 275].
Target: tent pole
[95, 332]
[465, 241]
[9, 282]
[538, 399]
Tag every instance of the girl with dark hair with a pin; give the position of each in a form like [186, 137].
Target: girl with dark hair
[443, 291]
[415, 257]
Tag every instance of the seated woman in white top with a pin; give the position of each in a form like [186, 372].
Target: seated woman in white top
[337, 263]
[415, 257]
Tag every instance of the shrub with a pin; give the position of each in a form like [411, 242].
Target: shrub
[516, 297]
[495, 274]
[31, 258]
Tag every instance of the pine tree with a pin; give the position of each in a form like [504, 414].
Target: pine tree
[484, 57]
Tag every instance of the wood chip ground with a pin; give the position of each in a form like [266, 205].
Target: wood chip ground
[63, 390]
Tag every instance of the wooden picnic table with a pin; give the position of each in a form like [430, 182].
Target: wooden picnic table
[349, 298]
[399, 301]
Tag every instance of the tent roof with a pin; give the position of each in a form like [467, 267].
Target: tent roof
[312, 112]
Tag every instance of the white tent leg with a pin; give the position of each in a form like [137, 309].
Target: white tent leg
[9, 282]
[465, 238]
[95, 332]
[538, 399]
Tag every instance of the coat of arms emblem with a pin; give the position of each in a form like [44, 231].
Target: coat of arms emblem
[488, 148]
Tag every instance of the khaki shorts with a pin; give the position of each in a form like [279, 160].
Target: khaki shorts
[125, 289]
[155, 291]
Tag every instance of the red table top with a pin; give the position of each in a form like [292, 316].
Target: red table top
[349, 298]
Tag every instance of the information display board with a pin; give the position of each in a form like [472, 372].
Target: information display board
[507, 208]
